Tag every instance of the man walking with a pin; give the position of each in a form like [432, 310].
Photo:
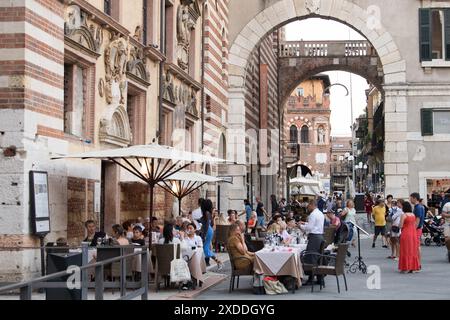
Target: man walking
[419, 212]
[379, 215]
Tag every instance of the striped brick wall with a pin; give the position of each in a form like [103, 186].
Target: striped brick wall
[31, 105]
[215, 72]
[32, 56]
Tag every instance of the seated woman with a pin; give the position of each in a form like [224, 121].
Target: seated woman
[252, 222]
[168, 235]
[119, 235]
[238, 250]
[138, 236]
[287, 238]
[191, 238]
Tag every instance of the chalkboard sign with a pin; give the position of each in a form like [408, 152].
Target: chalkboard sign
[40, 211]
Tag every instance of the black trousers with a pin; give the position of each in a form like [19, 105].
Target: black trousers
[314, 243]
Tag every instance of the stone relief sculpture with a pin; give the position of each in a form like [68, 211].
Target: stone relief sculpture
[184, 27]
[193, 103]
[321, 134]
[169, 91]
[115, 126]
[77, 28]
[116, 60]
[312, 6]
[137, 64]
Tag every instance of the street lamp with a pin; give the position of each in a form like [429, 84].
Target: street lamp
[361, 169]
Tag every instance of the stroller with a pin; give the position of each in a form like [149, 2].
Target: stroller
[434, 232]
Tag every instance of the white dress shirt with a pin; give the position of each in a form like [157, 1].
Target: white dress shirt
[315, 222]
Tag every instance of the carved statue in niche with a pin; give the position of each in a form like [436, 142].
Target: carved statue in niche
[138, 34]
[193, 103]
[184, 27]
[116, 60]
[77, 29]
[169, 91]
[321, 134]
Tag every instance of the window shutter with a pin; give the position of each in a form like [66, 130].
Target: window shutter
[426, 116]
[425, 34]
[447, 33]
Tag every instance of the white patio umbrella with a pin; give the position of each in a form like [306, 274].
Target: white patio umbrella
[301, 181]
[183, 183]
[152, 163]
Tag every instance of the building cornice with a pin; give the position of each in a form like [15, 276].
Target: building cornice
[179, 73]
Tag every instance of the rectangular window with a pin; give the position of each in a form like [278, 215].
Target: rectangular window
[435, 121]
[300, 92]
[434, 34]
[441, 121]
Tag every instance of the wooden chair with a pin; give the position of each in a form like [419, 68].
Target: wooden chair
[164, 256]
[307, 267]
[260, 234]
[115, 267]
[338, 269]
[329, 234]
[238, 272]
[221, 236]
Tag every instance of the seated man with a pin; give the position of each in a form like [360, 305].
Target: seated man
[238, 249]
[92, 233]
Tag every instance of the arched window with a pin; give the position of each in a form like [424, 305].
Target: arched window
[305, 134]
[293, 134]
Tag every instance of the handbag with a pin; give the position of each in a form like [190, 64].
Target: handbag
[273, 286]
[179, 269]
[395, 229]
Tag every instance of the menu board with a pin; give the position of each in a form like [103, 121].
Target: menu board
[40, 211]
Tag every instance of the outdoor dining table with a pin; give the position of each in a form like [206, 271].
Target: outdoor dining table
[280, 261]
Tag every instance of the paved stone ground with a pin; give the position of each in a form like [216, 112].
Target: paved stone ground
[431, 283]
[212, 278]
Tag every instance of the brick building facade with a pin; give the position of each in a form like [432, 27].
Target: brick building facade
[89, 74]
[307, 125]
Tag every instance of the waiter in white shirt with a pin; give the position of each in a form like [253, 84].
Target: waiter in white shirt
[314, 229]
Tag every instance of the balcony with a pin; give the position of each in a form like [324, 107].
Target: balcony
[334, 48]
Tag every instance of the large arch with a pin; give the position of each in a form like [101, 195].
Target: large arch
[282, 12]
[264, 17]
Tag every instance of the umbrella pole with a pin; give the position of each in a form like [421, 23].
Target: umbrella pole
[179, 207]
[150, 214]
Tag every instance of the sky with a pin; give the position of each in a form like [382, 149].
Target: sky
[320, 29]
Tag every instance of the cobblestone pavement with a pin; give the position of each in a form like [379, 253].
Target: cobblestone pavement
[431, 283]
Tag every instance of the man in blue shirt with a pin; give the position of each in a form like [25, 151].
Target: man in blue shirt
[248, 209]
[419, 212]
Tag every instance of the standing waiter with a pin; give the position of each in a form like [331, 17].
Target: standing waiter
[314, 229]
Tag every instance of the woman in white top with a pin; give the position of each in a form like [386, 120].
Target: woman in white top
[348, 215]
[168, 235]
[192, 240]
[395, 212]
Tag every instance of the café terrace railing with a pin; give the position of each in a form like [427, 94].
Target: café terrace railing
[26, 288]
[304, 49]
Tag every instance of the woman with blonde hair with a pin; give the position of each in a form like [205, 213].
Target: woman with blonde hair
[348, 215]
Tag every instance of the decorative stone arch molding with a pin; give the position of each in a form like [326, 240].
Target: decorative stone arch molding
[279, 13]
[284, 11]
[115, 127]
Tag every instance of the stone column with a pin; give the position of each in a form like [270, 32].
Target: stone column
[236, 147]
[396, 147]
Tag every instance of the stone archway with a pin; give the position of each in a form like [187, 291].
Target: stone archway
[279, 13]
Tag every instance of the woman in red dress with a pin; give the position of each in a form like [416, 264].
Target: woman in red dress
[409, 255]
